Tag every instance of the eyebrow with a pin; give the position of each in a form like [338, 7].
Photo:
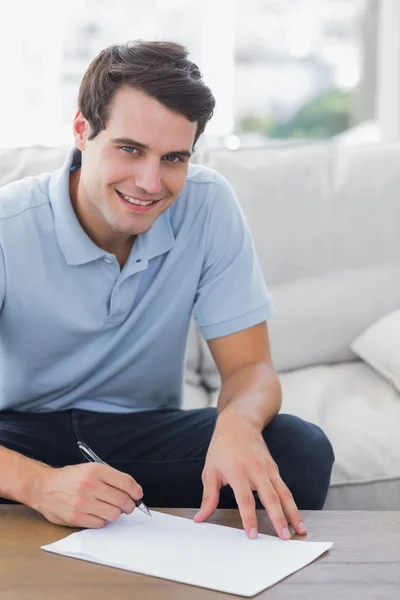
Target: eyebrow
[130, 142]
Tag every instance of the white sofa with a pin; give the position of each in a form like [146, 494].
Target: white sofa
[326, 224]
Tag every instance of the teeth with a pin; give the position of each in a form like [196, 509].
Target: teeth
[134, 201]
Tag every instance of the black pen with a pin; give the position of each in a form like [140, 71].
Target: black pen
[92, 457]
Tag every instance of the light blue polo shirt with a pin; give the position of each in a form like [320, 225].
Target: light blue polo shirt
[76, 331]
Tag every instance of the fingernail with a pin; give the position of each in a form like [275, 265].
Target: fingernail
[286, 533]
[253, 534]
[302, 527]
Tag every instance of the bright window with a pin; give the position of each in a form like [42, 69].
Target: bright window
[278, 68]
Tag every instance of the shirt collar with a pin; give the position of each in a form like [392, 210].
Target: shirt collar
[160, 238]
[76, 246]
[74, 242]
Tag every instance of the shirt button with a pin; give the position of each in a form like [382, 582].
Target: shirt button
[107, 260]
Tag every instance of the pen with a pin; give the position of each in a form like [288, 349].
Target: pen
[92, 457]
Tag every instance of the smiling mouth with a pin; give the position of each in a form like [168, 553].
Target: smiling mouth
[135, 201]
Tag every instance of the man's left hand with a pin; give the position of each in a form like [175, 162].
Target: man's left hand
[238, 456]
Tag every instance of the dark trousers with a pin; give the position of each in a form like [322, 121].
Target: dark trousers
[165, 450]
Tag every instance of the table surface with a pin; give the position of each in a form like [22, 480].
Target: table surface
[364, 561]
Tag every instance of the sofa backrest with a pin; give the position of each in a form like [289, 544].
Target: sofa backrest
[326, 225]
[17, 163]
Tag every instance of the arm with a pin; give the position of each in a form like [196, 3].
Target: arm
[84, 495]
[18, 475]
[250, 384]
[250, 398]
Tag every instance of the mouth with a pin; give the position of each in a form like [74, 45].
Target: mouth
[135, 204]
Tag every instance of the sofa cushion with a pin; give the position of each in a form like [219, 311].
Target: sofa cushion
[194, 396]
[193, 365]
[379, 346]
[360, 413]
[325, 221]
[17, 163]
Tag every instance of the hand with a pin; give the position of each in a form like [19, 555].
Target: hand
[238, 456]
[85, 495]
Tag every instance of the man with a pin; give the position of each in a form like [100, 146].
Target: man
[102, 264]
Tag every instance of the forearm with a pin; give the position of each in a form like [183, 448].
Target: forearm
[18, 475]
[252, 391]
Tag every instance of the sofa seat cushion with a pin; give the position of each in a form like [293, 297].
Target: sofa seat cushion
[360, 413]
[358, 410]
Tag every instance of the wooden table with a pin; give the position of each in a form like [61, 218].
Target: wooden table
[363, 563]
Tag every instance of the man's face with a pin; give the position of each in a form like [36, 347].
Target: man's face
[134, 169]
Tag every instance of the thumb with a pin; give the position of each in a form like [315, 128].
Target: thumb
[210, 497]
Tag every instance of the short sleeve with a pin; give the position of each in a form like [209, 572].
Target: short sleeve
[232, 294]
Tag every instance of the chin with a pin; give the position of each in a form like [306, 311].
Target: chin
[138, 230]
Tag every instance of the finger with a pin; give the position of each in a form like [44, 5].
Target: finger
[121, 481]
[118, 498]
[86, 520]
[92, 506]
[292, 513]
[272, 504]
[247, 506]
[210, 499]
[93, 522]
[105, 511]
[89, 521]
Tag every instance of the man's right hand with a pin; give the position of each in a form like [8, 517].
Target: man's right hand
[85, 495]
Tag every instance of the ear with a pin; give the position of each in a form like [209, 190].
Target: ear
[81, 131]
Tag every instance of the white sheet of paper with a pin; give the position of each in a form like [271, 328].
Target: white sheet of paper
[202, 554]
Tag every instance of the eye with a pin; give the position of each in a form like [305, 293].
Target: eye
[173, 158]
[129, 149]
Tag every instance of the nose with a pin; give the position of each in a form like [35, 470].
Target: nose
[148, 176]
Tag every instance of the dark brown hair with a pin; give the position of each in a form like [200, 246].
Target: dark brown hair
[159, 69]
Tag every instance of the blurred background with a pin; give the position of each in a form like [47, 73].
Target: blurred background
[281, 70]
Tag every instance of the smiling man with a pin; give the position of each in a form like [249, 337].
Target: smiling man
[102, 265]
